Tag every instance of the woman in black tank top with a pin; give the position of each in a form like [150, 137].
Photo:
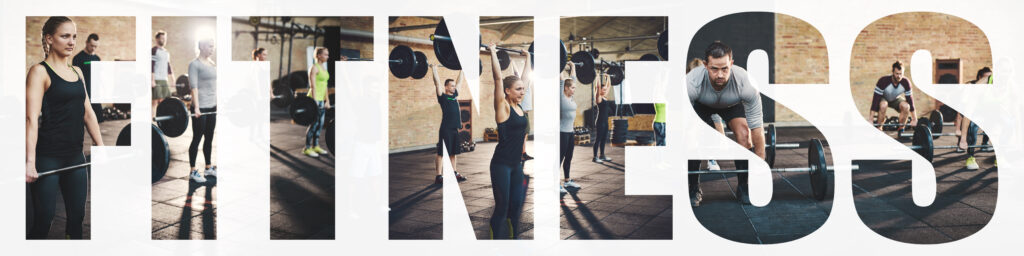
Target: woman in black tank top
[507, 178]
[57, 111]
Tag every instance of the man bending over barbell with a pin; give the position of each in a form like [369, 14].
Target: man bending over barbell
[724, 89]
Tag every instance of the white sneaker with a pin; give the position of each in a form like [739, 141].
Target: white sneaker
[195, 176]
[713, 165]
[562, 191]
[309, 152]
[212, 171]
[571, 184]
[598, 160]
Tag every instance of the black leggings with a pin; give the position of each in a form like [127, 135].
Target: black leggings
[507, 183]
[202, 127]
[601, 138]
[74, 188]
[566, 147]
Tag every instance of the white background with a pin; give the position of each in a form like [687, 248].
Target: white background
[120, 200]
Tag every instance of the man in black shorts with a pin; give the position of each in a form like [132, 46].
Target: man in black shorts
[724, 89]
[448, 133]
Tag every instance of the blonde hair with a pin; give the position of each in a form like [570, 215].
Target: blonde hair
[317, 51]
[49, 28]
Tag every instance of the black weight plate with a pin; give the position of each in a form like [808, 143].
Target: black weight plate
[663, 45]
[562, 57]
[303, 111]
[124, 138]
[891, 123]
[407, 61]
[937, 120]
[531, 55]
[444, 50]
[176, 109]
[503, 59]
[616, 74]
[650, 57]
[421, 68]
[594, 52]
[771, 140]
[286, 96]
[329, 134]
[584, 74]
[161, 154]
[819, 169]
[923, 139]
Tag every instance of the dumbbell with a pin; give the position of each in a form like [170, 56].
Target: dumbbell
[817, 169]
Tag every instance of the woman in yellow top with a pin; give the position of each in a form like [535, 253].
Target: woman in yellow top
[318, 77]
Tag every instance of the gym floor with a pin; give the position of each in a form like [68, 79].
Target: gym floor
[416, 203]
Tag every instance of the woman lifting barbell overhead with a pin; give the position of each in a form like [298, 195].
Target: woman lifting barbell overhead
[506, 167]
[725, 89]
[57, 110]
[202, 76]
[318, 78]
[567, 143]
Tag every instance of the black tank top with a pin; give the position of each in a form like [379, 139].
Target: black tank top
[61, 125]
[511, 134]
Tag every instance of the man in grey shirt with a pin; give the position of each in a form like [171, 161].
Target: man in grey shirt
[722, 88]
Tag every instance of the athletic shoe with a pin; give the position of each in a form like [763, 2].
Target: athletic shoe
[696, 196]
[439, 179]
[319, 150]
[212, 171]
[713, 165]
[310, 153]
[562, 191]
[598, 160]
[971, 163]
[606, 159]
[195, 176]
[571, 184]
[526, 157]
[459, 177]
[743, 194]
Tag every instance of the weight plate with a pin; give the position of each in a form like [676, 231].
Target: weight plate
[161, 154]
[286, 96]
[616, 74]
[594, 52]
[181, 86]
[503, 59]
[176, 109]
[531, 55]
[937, 120]
[584, 74]
[444, 49]
[923, 139]
[563, 57]
[663, 45]
[421, 66]
[406, 64]
[650, 57]
[303, 111]
[329, 134]
[819, 169]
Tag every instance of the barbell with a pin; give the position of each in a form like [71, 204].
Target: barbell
[172, 115]
[444, 49]
[923, 143]
[817, 169]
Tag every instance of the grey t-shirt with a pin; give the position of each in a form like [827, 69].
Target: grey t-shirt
[203, 77]
[568, 109]
[738, 90]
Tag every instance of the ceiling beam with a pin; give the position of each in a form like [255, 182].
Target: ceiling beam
[595, 26]
[653, 30]
[511, 30]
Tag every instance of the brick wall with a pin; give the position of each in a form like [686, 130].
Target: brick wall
[414, 114]
[243, 42]
[182, 35]
[898, 36]
[800, 58]
[117, 37]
